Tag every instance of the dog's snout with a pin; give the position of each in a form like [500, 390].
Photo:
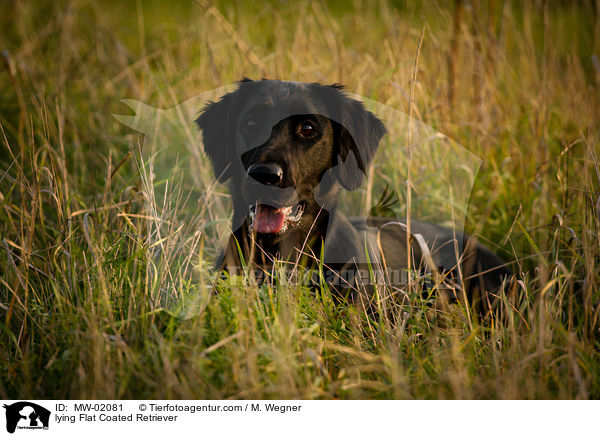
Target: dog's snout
[266, 173]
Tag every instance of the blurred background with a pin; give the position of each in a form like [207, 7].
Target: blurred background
[94, 237]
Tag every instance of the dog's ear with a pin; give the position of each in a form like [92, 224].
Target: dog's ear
[357, 137]
[217, 121]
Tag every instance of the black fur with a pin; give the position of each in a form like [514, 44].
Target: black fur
[258, 125]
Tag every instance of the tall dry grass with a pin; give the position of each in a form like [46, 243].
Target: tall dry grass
[84, 266]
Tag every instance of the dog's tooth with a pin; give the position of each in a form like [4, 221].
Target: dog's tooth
[252, 215]
[296, 215]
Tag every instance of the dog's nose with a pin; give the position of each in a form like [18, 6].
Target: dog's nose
[266, 173]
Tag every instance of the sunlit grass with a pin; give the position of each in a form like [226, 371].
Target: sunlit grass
[93, 247]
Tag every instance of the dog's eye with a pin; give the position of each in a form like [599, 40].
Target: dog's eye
[307, 129]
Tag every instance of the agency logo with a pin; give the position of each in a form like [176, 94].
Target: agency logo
[26, 415]
[371, 141]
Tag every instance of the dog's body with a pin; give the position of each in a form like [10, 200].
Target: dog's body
[287, 149]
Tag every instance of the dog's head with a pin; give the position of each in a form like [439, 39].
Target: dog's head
[282, 143]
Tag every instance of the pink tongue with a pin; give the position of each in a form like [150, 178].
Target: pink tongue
[268, 219]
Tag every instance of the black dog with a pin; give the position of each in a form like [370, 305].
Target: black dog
[287, 148]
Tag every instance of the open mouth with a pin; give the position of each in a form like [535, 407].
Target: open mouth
[269, 219]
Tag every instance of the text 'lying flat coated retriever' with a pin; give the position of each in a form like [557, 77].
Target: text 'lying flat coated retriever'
[287, 149]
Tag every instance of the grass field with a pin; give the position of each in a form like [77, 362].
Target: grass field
[91, 242]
